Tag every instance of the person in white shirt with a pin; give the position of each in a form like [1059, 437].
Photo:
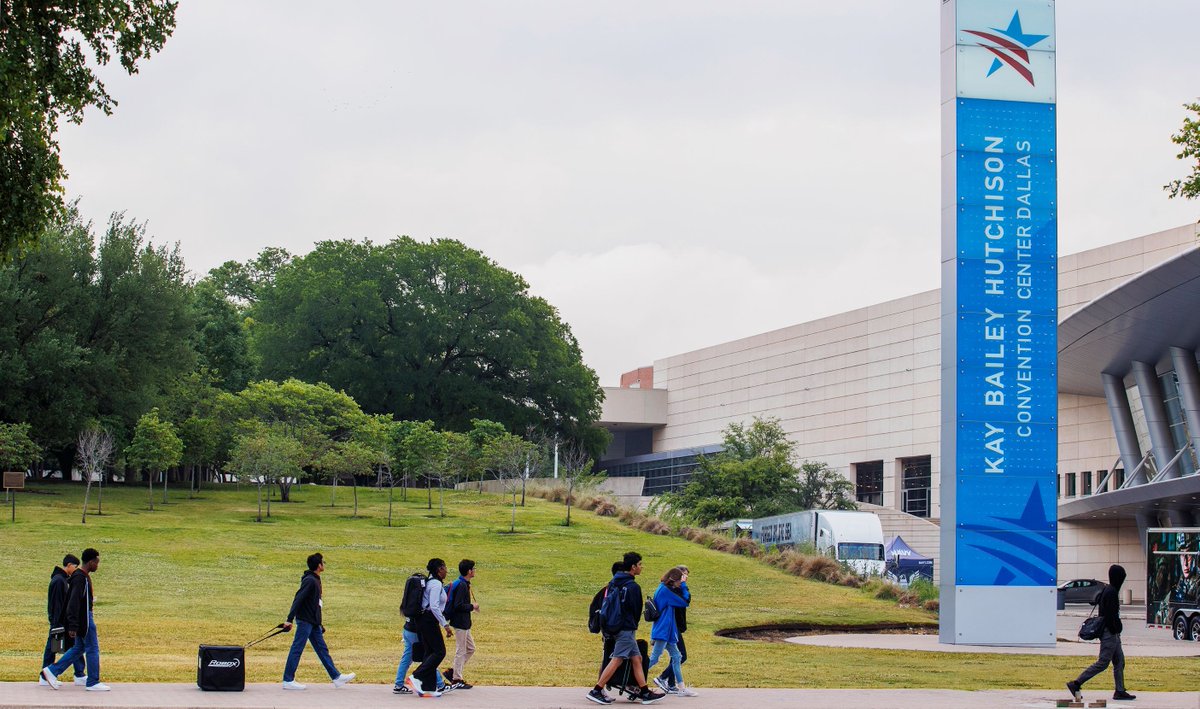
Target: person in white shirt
[430, 624]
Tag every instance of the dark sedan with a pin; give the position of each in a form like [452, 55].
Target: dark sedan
[1081, 590]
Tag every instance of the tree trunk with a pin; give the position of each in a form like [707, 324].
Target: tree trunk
[390, 489]
[268, 500]
[166, 477]
[429, 493]
[570, 494]
[259, 519]
[354, 480]
[523, 478]
[512, 527]
[86, 494]
[333, 499]
[441, 503]
[150, 478]
[100, 496]
[405, 489]
[285, 492]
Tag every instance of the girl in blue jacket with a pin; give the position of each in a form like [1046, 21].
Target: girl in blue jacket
[665, 633]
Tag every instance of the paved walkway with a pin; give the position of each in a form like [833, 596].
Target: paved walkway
[1136, 639]
[360, 696]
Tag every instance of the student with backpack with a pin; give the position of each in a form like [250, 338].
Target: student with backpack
[410, 608]
[430, 621]
[620, 610]
[665, 632]
[666, 681]
[460, 603]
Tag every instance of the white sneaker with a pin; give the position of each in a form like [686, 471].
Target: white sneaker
[50, 678]
[343, 679]
[685, 691]
[42, 681]
[294, 685]
[415, 685]
[81, 681]
[99, 687]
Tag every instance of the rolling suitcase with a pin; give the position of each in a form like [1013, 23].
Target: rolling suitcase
[222, 668]
[622, 679]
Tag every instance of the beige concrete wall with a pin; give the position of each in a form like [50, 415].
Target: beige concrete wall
[623, 405]
[1086, 550]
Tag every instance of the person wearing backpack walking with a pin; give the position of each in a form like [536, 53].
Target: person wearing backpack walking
[665, 631]
[410, 608]
[621, 610]
[460, 603]
[1108, 606]
[430, 621]
[667, 680]
[306, 611]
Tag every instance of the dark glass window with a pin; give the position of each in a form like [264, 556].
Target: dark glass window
[1085, 482]
[1070, 484]
[868, 482]
[917, 482]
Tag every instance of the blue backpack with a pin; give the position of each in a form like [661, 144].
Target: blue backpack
[612, 611]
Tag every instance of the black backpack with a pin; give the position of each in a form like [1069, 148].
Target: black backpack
[650, 611]
[414, 594]
[595, 621]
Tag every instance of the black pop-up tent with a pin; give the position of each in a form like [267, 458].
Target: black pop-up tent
[903, 565]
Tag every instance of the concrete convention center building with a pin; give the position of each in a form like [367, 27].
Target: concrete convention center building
[860, 391]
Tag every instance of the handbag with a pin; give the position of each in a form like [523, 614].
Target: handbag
[60, 642]
[650, 612]
[1092, 628]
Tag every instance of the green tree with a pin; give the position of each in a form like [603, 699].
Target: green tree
[1188, 138]
[91, 333]
[155, 448]
[221, 341]
[264, 455]
[421, 450]
[349, 459]
[508, 456]
[431, 331]
[17, 449]
[49, 53]
[755, 475]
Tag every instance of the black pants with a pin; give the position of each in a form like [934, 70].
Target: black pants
[435, 650]
[668, 675]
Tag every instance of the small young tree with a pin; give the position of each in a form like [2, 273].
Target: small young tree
[349, 459]
[508, 456]
[155, 447]
[575, 467]
[17, 449]
[93, 450]
[422, 451]
[482, 431]
[263, 456]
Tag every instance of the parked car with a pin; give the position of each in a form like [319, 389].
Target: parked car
[1081, 590]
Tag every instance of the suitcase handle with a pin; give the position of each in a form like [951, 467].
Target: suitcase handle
[281, 628]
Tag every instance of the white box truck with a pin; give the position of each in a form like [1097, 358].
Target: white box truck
[855, 538]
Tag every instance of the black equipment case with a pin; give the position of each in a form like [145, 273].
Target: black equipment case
[222, 668]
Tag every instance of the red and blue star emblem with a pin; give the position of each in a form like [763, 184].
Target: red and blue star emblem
[1011, 47]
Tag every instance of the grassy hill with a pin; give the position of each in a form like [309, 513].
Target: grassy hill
[203, 571]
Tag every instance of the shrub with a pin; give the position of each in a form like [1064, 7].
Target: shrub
[746, 547]
[923, 589]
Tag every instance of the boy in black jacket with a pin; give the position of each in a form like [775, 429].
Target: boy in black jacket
[459, 606]
[81, 626]
[1108, 606]
[56, 612]
[306, 610]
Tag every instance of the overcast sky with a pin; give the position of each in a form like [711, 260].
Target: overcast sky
[670, 175]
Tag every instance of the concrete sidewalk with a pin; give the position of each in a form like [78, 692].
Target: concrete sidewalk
[365, 696]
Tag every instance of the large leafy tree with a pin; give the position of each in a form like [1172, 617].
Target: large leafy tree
[1188, 139]
[17, 449]
[48, 55]
[91, 332]
[756, 475]
[425, 331]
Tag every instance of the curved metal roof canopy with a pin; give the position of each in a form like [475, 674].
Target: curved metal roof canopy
[1136, 321]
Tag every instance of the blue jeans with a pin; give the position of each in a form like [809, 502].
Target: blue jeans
[87, 645]
[673, 651]
[410, 639]
[306, 633]
[48, 659]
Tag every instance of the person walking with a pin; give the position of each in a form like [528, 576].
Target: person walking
[665, 632]
[1108, 607]
[460, 603]
[306, 612]
[411, 641]
[667, 680]
[430, 623]
[56, 612]
[621, 610]
[81, 626]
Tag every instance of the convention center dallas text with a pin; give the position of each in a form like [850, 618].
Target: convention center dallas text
[999, 321]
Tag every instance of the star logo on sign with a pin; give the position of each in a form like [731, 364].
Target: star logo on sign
[1011, 46]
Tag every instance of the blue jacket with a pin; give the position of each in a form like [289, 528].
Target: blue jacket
[666, 601]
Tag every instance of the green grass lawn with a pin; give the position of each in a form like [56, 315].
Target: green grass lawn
[203, 571]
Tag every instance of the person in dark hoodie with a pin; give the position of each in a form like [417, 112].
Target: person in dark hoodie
[56, 612]
[306, 611]
[81, 626]
[460, 603]
[1108, 607]
[624, 590]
